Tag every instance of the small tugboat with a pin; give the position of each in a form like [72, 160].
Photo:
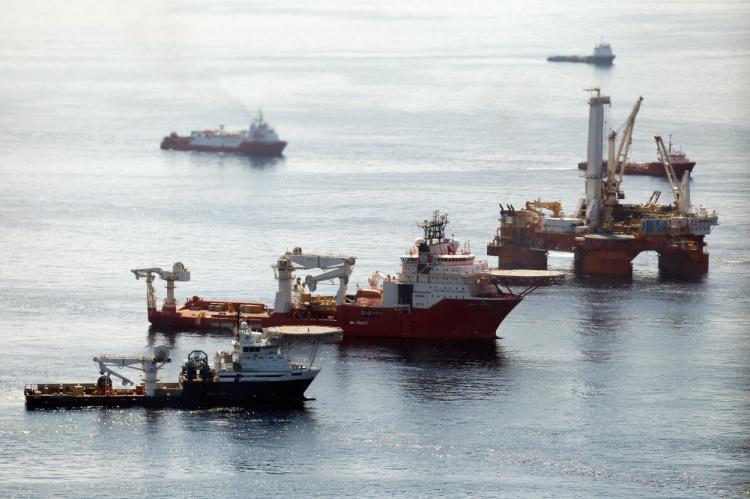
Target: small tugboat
[602, 56]
[257, 371]
[259, 140]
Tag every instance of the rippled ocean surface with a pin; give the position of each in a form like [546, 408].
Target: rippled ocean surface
[392, 110]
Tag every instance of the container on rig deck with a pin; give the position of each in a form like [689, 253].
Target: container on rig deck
[560, 225]
[655, 226]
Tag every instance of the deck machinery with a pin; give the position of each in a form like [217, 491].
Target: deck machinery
[603, 233]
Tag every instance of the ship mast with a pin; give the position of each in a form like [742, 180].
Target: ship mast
[434, 230]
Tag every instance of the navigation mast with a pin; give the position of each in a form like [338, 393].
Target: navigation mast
[434, 230]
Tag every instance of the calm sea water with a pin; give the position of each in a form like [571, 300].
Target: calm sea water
[391, 110]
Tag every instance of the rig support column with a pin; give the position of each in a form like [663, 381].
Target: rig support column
[683, 260]
[603, 263]
[605, 256]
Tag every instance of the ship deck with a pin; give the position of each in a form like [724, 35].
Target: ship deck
[67, 395]
[197, 314]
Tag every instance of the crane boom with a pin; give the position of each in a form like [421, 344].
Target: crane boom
[681, 190]
[178, 273]
[313, 261]
[341, 272]
[554, 206]
[106, 370]
[627, 140]
[616, 162]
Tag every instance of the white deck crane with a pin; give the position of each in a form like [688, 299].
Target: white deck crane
[147, 364]
[178, 273]
[336, 266]
[681, 190]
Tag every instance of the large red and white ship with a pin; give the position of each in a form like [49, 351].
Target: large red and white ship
[258, 140]
[442, 291]
[680, 163]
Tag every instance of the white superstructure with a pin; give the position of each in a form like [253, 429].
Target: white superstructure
[254, 358]
[259, 131]
[603, 50]
[436, 269]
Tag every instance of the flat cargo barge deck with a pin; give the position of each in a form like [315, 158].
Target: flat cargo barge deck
[71, 395]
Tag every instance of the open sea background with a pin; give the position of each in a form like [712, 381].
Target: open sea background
[392, 109]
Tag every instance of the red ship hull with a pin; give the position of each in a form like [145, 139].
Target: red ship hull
[655, 168]
[246, 148]
[449, 319]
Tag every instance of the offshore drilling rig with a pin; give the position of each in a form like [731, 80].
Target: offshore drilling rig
[605, 234]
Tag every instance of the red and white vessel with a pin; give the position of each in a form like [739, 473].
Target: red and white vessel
[259, 140]
[680, 162]
[442, 291]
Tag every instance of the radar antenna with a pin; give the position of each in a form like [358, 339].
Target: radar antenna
[434, 230]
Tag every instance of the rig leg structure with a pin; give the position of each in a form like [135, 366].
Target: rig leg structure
[605, 257]
[683, 260]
